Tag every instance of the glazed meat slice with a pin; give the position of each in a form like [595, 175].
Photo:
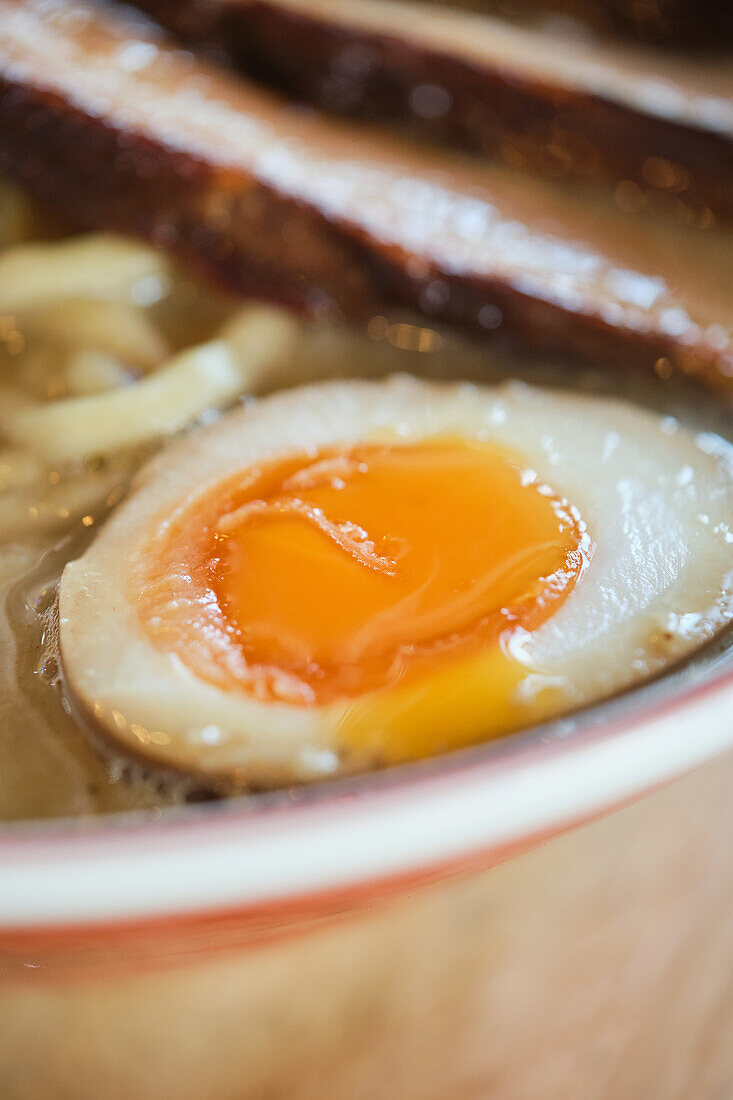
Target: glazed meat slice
[99, 115]
[563, 106]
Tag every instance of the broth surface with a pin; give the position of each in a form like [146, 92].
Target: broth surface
[144, 321]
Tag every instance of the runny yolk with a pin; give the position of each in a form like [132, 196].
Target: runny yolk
[360, 576]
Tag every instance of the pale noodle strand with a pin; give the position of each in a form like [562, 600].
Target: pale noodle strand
[90, 371]
[99, 266]
[117, 328]
[76, 331]
[197, 379]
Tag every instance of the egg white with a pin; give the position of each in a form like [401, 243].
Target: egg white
[658, 502]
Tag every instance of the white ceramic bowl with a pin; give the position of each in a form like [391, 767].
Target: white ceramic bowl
[122, 937]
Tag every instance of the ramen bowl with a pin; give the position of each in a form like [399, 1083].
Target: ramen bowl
[547, 916]
[540, 916]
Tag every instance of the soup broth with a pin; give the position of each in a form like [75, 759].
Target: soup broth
[104, 342]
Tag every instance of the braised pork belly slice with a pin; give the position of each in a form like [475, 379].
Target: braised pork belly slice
[103, 117]
[553, 103]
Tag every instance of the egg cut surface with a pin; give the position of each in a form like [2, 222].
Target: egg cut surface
[356, 574]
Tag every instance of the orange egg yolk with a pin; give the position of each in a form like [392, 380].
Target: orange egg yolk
[363, 575]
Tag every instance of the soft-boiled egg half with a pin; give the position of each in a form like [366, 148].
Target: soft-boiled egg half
[360, 573]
